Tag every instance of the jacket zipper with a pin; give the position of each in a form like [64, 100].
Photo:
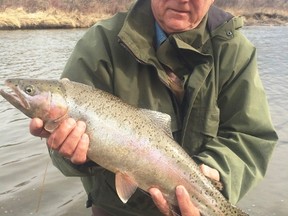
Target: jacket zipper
[165, 82]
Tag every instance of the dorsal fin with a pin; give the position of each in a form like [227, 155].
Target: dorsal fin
[163, 120]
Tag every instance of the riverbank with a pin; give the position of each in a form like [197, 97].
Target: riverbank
[262, 16]
[11, 19]
[19, 18]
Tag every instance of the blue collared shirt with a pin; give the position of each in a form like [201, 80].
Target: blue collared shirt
[160, 35]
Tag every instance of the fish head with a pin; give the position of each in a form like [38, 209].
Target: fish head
[44, 99]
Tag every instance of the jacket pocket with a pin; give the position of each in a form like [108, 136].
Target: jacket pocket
[202, 126]
[208, 122]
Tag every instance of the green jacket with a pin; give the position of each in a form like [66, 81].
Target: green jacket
[224, 119]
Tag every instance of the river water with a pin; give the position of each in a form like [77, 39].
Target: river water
[24, 161]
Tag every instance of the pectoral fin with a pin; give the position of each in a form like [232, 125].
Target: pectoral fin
[51, 126]
[125, 186]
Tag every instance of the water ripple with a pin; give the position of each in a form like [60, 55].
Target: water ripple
[43, 54]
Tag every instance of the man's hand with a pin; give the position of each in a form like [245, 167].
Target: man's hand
[187, 208]
[69, 139]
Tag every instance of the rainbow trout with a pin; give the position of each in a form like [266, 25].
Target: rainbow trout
[136, 144]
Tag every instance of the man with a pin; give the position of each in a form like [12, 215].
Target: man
[181, 57]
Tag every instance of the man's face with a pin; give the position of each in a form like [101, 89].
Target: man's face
[179, 15]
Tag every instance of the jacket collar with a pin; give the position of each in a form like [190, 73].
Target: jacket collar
[140, 39]
[137, 37]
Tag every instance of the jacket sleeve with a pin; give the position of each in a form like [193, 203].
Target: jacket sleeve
[246, 138]
[88, 64]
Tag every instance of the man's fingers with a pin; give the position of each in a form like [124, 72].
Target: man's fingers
[69, 138]
[36, 128]
[159, 201]
[70, 143]
[80, 153]
[186, 207]
[210, 172]
[57, 138]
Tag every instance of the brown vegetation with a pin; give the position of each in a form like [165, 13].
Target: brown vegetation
[83, 6]
[27, 14]
[16, 14]
[52, 18]
[252, 5]
[258, 12]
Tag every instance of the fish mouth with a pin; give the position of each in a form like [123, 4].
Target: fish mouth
[14, 95]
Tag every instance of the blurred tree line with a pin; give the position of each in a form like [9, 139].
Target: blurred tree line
[252, 4]
[112, 6]
[109, 6]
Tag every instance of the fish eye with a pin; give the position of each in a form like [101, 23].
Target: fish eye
[29, 90]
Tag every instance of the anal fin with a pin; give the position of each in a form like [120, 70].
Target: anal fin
[217, 184]
[125, 186]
